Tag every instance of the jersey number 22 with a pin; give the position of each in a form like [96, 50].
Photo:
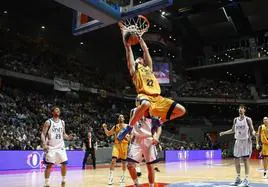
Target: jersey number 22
[150, 82]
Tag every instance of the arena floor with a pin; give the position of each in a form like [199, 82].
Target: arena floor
[181, 174]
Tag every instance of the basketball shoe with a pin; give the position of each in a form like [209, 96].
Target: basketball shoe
[110, 180]
[236, 182]
[122, 180]
[244, 183]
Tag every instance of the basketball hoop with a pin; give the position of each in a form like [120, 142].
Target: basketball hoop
[138, 25]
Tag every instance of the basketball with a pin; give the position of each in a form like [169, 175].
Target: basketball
[132, 38]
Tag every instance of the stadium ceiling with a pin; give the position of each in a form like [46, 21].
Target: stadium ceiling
[218, 19]
[207, 20]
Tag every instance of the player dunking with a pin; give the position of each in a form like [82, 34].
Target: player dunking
[263, 139]
[148, 89]
[52, 137]
[143, 141]
[243, 130]
[120, 148]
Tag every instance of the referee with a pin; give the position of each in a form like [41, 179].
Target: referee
[89, 142]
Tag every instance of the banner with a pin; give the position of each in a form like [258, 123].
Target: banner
[21, 160]
[66, 85]
[34, 159]
[75, 86]
[61, 85]
[176, 155]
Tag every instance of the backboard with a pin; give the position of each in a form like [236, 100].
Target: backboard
[91, 15]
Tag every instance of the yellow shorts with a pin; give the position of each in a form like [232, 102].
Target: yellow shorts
[160, 106]
[120, 151]
[264, 149]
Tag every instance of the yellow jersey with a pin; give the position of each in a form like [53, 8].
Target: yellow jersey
[264, 134]
[117, 129]
[145, 81]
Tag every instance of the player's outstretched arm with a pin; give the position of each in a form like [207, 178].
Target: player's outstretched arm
[129, 52]
[43, 135]
[227, 132]
[130, 60]
[231, 131]
[108, 132]
[146, 54]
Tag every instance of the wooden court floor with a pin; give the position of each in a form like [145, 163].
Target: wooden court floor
[197, 171]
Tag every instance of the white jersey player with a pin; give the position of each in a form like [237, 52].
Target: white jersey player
[243, 130]
[52, 137]
[143, 146]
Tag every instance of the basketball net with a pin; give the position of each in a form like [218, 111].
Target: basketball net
[138, 25]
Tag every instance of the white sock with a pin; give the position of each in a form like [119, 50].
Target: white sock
[138, 169]
[151, 185]
[136, 181]
[63, 178]
[46, 181]
[111, 173]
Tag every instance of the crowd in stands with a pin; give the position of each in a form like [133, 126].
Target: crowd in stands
[24, 112]
[34, 56]
[215, 89]
[171, 143]
[23, 54]
[236, 51]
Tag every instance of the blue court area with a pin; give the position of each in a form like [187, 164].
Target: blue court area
[211, 184]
